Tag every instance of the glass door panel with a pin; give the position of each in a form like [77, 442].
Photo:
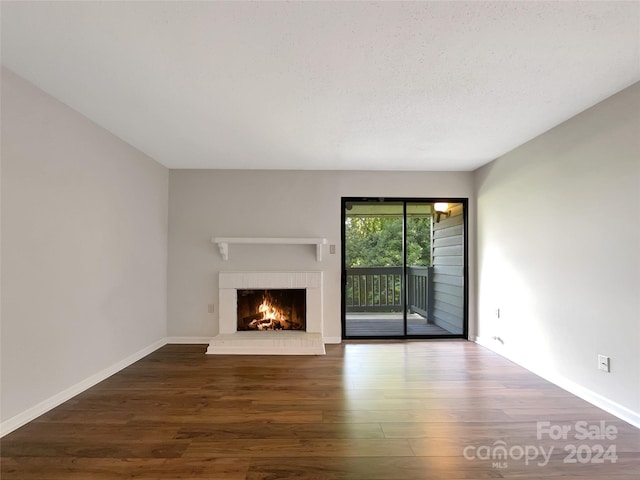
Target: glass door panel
[419, 271]
[447, 295]
[374, 269]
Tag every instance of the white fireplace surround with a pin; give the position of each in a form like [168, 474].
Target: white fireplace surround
[271, 342]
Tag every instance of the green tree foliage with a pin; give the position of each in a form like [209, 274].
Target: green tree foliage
[377, 241]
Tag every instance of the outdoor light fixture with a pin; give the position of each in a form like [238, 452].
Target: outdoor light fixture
[442, 209]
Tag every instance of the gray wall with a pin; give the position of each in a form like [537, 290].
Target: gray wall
[205, 203]
[558, 251]
[84, 246]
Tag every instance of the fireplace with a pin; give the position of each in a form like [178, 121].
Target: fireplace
[235, 338]
[271, 309]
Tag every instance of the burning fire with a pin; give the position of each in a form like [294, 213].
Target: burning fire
[272, 317]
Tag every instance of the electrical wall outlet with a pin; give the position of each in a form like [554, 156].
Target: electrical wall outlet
[332, 249]
[211, 308]
[603, 363]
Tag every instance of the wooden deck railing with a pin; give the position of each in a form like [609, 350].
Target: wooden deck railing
[379, 289]
[375, 289]
[420, 289]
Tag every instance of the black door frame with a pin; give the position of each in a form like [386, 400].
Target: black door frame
[405, 200]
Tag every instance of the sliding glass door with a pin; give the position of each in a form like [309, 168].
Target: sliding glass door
[404, 268]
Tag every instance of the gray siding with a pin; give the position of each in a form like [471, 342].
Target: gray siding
[448, 272]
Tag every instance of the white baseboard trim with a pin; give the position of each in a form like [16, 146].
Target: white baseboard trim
[590, 396]
[189, 340]
[332, 340]
[34, 412]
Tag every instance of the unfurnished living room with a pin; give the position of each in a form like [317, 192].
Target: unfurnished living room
[320, 240]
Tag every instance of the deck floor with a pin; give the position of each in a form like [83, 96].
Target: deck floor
[389, 325]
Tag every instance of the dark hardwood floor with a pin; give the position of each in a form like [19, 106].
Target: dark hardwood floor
[369, 411]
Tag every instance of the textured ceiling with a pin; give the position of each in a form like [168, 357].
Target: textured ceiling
[325, 85]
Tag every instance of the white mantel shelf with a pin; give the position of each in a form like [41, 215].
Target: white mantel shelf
[224, 242]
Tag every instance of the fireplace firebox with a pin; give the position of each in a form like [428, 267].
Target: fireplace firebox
[271, 309]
